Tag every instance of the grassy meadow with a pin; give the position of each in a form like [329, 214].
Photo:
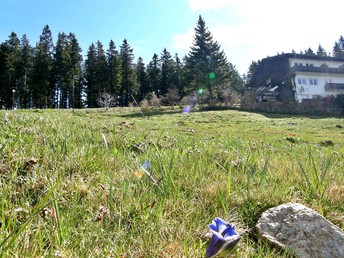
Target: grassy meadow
[72, 183]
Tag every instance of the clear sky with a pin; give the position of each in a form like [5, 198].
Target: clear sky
[247, 30]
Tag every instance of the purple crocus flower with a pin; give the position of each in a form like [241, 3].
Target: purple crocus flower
[223, 240]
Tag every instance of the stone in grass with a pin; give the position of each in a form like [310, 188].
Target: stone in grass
[301, 231]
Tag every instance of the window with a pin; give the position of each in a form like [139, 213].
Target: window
[313, 81]
[301, 81]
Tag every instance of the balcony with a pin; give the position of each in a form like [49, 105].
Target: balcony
[334, 87]
[311, 69]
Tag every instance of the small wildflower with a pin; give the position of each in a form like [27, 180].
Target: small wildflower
[224, 238]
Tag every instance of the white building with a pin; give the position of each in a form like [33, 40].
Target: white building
[299, 77]
[317, 76]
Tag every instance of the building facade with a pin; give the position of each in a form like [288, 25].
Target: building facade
[298, 77]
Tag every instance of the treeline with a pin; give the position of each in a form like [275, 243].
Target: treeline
[52, 75]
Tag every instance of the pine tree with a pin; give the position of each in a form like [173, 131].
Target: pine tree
[167, 71]
[142, 82]
[177, 79]
[26, 59]
[309, 52]
[338, 48]
[5, 77]
[42, 85]
[12, 70]
[251, 70]
[75, 72]
[62, 60]
[206, 63]
[321, 51]
[129, 87]
[154, 75]
[113, 70]
[92, 91]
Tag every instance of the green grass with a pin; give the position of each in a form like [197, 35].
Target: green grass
[71, 184]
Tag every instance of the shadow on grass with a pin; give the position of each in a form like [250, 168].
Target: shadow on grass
[150, 113]
[266, 114]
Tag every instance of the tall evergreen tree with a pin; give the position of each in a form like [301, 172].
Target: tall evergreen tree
[75, 72]
[62, 60]
[92, 90]
[11, 55]
[113, 70]
[167, 71]
[321, 51]
[338, 48]
[42, 84]
[206, 63]
[129, 87]
[5, 77]
[26, 59]
[154, 74]
[101, 68]
[177, 79]
[251, 70]
[309, 52]
[141, 75]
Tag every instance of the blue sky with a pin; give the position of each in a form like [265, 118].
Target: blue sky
[247, 30]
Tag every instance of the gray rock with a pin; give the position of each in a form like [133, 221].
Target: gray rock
[301, 231]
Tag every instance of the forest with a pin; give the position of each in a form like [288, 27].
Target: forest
[57, 75]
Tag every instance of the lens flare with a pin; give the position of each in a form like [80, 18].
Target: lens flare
[212, 76]
[186, 110]
[200, 91]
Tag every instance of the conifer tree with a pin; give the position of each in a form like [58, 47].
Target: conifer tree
[167, 71]
[92, 91]
[113, 70]
[5, 77]
[141, 75]
[75, 72]
[321, 51]
[42, 85]
[11, 70]
[154, 75]
[207, 65]
[62, 60]
[129, 87]
[26, 59]
[338, 48]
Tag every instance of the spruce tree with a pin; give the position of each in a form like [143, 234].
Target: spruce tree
[154, 75]
[92, 91]
[75, 72]
[321, 51]
[12, 63]
[42, 85]
[26, 59]
[141, 75]
[338, 48]
[62, 60]
[5, 77]
[206, 64]
[167, 70]
[113, 70]
[129, 87]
